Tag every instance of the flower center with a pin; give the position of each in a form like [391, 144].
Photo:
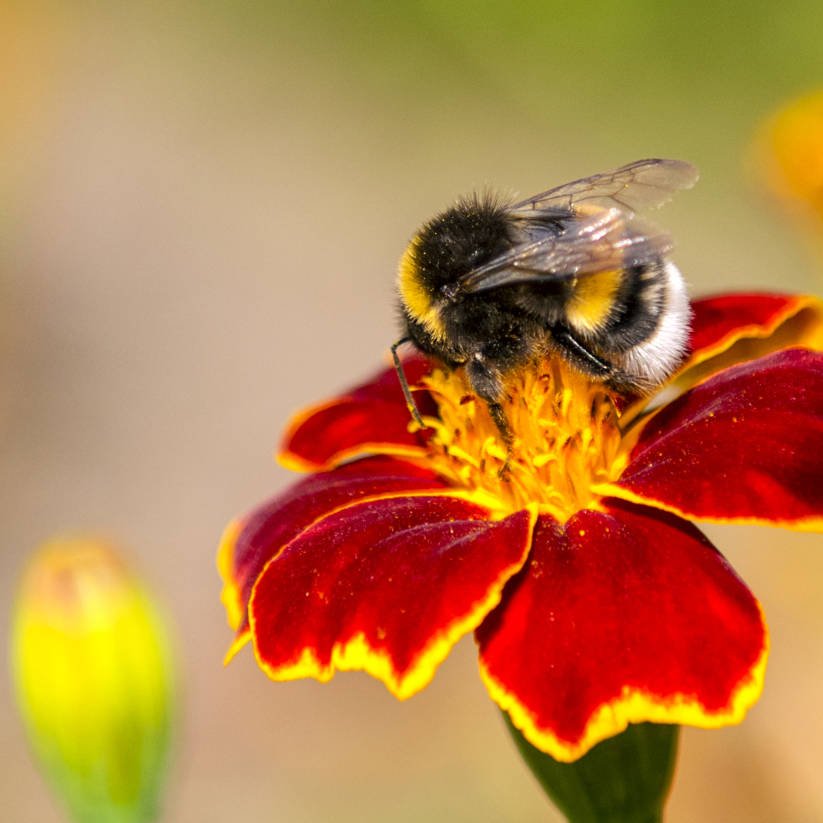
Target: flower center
[566, 440]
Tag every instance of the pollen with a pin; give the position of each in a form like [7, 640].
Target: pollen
[566, 440]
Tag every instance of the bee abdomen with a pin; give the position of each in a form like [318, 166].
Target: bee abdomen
[661, 327]
[638, 306]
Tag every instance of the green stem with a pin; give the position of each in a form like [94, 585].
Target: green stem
[624, 779]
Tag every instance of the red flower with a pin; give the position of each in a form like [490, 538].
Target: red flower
[594, 602]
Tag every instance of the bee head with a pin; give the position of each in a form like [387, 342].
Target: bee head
[465, 236]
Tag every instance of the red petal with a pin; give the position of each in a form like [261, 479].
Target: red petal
[732, 328]
[745, 445]
[371, 418]
[250, 542]
[386, 586]
[621, 617]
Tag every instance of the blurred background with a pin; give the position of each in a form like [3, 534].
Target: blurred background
[201, 209]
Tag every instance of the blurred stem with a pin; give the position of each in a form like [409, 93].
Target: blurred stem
[625, 779]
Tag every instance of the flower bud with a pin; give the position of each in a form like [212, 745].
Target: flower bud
[93, 678]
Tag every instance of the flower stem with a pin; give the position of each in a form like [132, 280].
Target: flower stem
[624, 779]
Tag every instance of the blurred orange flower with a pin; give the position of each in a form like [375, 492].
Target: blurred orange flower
[789, 155]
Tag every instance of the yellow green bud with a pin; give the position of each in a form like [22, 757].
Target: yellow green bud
[93, 677]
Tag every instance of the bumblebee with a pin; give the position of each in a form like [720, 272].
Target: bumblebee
[574, 272]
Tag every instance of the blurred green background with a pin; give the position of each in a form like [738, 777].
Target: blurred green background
[201, 208]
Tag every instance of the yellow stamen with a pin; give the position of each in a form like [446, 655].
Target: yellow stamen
[566, 440]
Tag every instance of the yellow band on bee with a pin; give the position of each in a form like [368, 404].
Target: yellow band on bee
[414, 294]
[592, 299]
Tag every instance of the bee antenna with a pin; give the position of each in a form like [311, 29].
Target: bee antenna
[404, 384]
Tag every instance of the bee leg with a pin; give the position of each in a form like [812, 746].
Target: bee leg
[486, 380]
[404, 384]
[580, 356]
[499, 417]
[615, 413]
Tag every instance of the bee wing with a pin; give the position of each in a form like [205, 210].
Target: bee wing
[642, 184]
[603, 241]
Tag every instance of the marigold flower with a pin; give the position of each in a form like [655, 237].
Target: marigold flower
[594, 601]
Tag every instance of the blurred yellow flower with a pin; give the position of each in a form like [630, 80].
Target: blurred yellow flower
[789, 152]
[94, 682]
